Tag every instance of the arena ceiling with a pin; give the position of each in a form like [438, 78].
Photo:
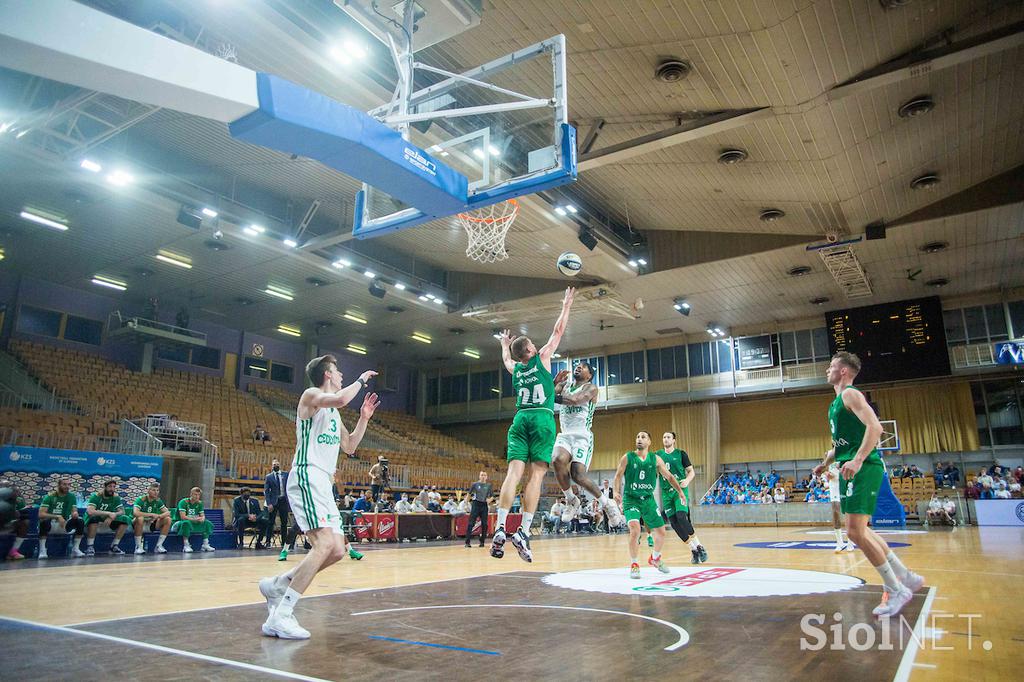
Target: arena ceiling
[811, 89]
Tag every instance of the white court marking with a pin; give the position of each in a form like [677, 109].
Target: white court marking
[166, 650]
[684, 636]
[910, 653]
[880, 532]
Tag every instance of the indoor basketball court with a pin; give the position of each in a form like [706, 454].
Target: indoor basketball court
[247, 242]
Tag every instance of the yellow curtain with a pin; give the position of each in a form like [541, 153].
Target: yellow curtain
[778, 429]
[697, 429]
[930, 418]
[615, 433]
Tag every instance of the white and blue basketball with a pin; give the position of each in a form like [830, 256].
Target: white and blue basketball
[569, 264]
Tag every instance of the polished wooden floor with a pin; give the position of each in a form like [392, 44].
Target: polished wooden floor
[210, 605]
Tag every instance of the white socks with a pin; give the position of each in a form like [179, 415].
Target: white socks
[527, 522]
[287, 603]
[160, 542]
[892, 583]
[694, 542]
[839, 537]
[285, 579]
[502, 515]
[656, 555]
[89, 541]
[17, 543]
[897, 566]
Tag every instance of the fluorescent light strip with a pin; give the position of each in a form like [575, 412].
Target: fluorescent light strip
[290, 331]
[91, 166]
[369, 274]
[43, 221]
[356, 349]
[354, 318]
[421, 338]
[209, 212]
[469, 352]
[280, 294]
[173, 261]
[120, 178]
[290, 243]
[399, 286]
[109, 282]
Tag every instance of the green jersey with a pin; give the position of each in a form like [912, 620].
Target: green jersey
[189, 507]
[60, 505]
[104, 503]
[534, 386]
[147, 506]
[847, 431]
[641, 475]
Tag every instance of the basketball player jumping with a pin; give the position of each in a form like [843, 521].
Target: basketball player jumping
[531, 438]
[832, 475]
[574, 445]
[319, 434]
[855, 433]
[676, 509]
[641, 469]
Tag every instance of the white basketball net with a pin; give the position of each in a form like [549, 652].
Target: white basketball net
[486, 228]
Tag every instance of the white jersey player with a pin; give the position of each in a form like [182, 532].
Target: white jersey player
[834, 496]
[574, 445]
[319, 436]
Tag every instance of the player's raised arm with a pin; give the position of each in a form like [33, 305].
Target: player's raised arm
[561, 323]
[667, 475]
[350, 441]
[617, 481]
[314, 398]
[505, 338]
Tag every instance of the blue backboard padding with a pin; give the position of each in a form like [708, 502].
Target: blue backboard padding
[296, 120]
[556, 177]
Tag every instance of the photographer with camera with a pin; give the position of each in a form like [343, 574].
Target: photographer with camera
[379, 477]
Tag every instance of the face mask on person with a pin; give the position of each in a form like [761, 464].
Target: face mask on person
[245, 496]
[277, 468]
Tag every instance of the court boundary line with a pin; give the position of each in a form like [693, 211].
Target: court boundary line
[684, 636]
[166, 650]
[910, 653]
[263, 601]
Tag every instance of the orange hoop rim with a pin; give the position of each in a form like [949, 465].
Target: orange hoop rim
[508, 216]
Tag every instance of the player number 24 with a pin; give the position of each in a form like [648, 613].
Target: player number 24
[525, 398]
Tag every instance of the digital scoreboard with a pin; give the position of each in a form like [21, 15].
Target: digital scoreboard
[900, 340]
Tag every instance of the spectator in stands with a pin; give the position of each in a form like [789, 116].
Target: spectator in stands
[897, 471]
[1018, 474]
[780, 495]
[20, 527]
[1001, 493]
[423, 497]
[952, 475]
[383, 505]
[150, 509]
[59, 511]
[972, 490]
[246, 513]
[376, 475]
[554, 516]
[276, 498]
[995, 469]
[105, 508]
[914, 472]
[465, 505]
[349, 500]
[450, 506]
[949, 509]
[934, 509]
[1013, 486]
[364, 504]
[192, 518]
[434, 500]
[985, 486]
[260, 434]
[403, 506]
[417, 506]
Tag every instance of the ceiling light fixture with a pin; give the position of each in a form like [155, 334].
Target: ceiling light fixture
[560, 211]
[399, 286]
[422, 338]
[729, 157]
[43, 220]
[369, 274]
[120, 178]
[91, 166]
[290, 331]
[423, 298]
[290, 243]
[174, 259]
[926, 181]
[254, 230]
[770, 215]
[916, 106]
[353, 317]
[470, 353]
[357, 349]
[109, 282]
[209, 212]
[279, 293]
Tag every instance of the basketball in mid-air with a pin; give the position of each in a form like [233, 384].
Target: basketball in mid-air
[569, 264]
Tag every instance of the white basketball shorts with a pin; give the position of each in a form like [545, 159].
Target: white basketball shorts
[579, 445]
[309, 494]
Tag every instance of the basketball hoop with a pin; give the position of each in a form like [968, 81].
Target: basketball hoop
[486, 228]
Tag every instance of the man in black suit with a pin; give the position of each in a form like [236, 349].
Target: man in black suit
[246, 510]
[276, 497]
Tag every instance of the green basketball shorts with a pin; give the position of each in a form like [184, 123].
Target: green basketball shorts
[531, 438]
[642, 509]
[859, 495]
[670, 502]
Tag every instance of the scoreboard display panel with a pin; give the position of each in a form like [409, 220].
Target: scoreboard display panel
[900, 340]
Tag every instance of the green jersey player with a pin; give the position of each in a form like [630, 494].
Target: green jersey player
[855, 432]
[106, 509]
[675, 509]
[634, 483]
[531, 438]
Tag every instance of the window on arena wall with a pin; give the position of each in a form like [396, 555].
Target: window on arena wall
[483, 385]
[432, 391]
[206, 357]
[173, 353]
[256, 367]
[803, 346]
[32, 320]
[83, 330]
[980, 324]
[626, 368]
[453, 389]
[1017, 318]
[998, 407]
[281, 372]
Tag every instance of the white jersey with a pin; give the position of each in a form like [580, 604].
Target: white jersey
[318, 441]
[577, 419]
[833, 483]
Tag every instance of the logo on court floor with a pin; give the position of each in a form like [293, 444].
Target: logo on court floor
[719, 581]
[800, 544]
[1020, 511]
